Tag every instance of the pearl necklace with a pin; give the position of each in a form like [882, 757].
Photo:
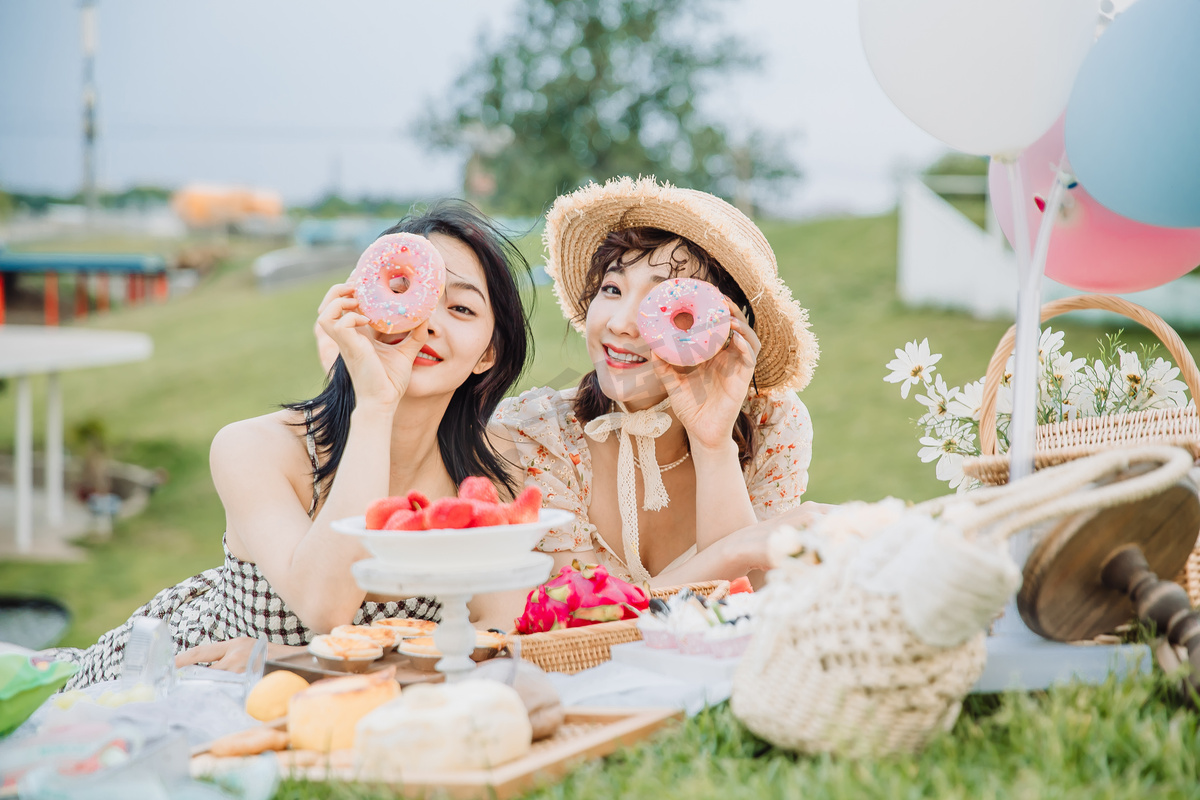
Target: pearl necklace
[666, 467]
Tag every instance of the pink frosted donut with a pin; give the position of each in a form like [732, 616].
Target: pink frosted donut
[664, 326]
[397, 255]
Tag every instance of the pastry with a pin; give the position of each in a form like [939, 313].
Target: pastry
[249, 743]
[384, 637]
[442, 727]
[269, 698]
[347, 648]
[323, 716]
[405, 628]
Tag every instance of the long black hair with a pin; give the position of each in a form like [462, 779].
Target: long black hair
[461, 434]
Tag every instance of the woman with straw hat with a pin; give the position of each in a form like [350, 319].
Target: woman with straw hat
[721, 448]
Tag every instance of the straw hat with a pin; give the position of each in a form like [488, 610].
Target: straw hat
[578, 222]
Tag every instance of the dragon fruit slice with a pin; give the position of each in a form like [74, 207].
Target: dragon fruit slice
[542, 613]
[582, 595]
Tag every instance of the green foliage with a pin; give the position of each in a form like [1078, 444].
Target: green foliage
[134, 197]
[590, 89]
[959, 164]
[7, 204]
[332, 206]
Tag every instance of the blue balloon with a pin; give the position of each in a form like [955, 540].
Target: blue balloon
[1133, 121]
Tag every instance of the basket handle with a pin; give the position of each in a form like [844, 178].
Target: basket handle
[1062, 490]
[1153, 322]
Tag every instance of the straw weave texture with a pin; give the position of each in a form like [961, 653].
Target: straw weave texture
[572, 650]
[578, 222]
[847, 676]
[1066, 441]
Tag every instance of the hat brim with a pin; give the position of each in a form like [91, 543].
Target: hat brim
[578, 223]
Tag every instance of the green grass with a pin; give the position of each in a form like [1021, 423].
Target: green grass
[225, 352]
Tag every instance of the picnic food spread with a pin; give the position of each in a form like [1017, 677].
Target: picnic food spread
[384, 636]
[577, 596]
[541, 701]
[322, 717]
[404, 628]
[684, 321]
[720, 628]
[344, 648]
[269, 699]
[467, 725]
[476, 506]
[408, 257]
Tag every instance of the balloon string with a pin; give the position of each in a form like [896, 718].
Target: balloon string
[1053, 203]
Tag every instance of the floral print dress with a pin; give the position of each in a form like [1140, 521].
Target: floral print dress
[539, 431]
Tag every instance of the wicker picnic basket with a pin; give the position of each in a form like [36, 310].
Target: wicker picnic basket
[870, 651]
[1065, 441]
[572, 650]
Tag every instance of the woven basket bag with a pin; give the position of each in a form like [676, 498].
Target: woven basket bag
[1064, 441]
[836, 666]
[572, 650]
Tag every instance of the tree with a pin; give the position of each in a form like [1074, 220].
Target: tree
[589, 89]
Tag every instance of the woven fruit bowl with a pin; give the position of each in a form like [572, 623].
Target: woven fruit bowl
[572, 650]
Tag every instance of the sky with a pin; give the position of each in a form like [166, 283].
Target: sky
[304, 96]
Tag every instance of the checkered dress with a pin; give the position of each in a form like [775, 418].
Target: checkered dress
[220, 604]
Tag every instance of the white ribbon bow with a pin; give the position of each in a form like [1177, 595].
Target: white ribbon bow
[644, 426]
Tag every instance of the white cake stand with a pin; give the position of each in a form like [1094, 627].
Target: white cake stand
[455, 636]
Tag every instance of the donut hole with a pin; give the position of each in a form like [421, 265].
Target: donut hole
[683, 321]
[400, 283]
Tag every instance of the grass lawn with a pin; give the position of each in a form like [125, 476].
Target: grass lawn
[225, 352]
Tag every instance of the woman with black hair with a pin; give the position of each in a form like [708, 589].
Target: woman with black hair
[399, 412]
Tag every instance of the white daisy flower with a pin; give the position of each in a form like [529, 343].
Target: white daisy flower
[1131, 372]
[937, 401]
[967, 402]
[1050, 343]
[912, 365]
[1161, 389]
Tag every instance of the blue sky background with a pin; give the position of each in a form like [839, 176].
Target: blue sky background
[298, 95]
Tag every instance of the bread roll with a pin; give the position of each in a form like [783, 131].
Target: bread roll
[442, 727]
[541, 701]
[269, 698]
[323, 716]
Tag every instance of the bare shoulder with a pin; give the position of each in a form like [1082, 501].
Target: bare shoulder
[276, 438]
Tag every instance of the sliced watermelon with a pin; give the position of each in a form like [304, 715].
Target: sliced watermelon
[740, 586]
[380, 511]
[481, 489]
[525, 508]
[449, 512]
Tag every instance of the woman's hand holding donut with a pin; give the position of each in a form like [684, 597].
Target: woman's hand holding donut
[707, 398]
[380, 372]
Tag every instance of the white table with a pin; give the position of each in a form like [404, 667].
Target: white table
[28, 350]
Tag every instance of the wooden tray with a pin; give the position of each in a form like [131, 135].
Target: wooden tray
[586, 733]
[306, 666]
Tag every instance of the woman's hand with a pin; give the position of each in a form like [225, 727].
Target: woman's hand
[380, 372]
[231, 655]
[707, 398]
[749, 546]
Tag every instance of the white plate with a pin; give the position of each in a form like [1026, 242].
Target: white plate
[454, 550]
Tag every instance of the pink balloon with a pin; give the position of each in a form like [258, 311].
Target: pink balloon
[1091, 248]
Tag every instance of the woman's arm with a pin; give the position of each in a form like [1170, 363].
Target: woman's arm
[707, 400]
[305, 561]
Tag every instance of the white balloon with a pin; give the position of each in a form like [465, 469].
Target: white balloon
[984, 76]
